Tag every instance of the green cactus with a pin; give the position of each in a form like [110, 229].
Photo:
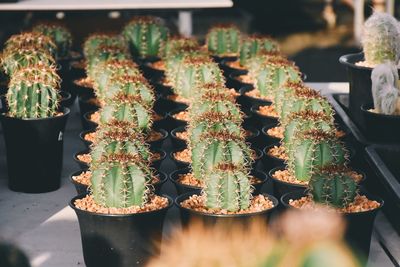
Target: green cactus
[194, 72]
[31, 40]
[223, 40]
[271, 73]
[381, 39]
[253, 46]
[333, 186]
[227, 188]
[14, 60]
[33, 93]
[178, 46]
[95, 43]
[60, 35]
[215, 147]
[104, 53]
[146, 36]
[314, 149]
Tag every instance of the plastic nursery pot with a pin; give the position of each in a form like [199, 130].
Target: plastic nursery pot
[157, 144]
[178, 163]
[162, 89]
[34, 152]
[359, 224]
[151, 73]
[164, 105]
[86, 104]
[77, 70]
[90, 125]
[120, 240]
[182, 188]
[233, 82]
[176, 123]
[82, 137]
[262, 120]
[66, 99]
[270, 162]
[220, 59]
[81, 189]
[82, 165]
[188, 215]
[161, 123]
[381, 128]
[258, 154]
[228, 70]
[178, 143]
[82, 91]
[280, 187]
[269, 139]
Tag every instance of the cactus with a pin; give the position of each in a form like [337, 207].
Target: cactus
[223, 40]
[385, 90]
[333, 186]
[314, 149]
[178, 46]
[270, 73]
[33, 92]
[31, 40]
[254, 45]
[381, 39]
[146, 36]
[103, 53]
[194, 72]
[14, 60]
[60, 35]
[227, 188]
[215, 147]
[96, 42]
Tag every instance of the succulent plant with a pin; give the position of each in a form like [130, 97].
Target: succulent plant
[332, 185]
[93, 44]
[381, 39]
[223, 40]
[270, 73]
[314, 149]
[146, 36]
[33, 92]
[385, 89]
[104, 53]
[177, 46]
[227, 188]
[216, 147]
[13, 60]
[254, 45]
[60, 35]
[31, 40]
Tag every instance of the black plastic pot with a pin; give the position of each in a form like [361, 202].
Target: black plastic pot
[157, 144]
[66, 99]
[381, 128]
[178, 164]
[280, 187]
[162, 89]
[271, 162]
[219, 59]
[175, 123]
[359, 225]
[76, 72]
[228, 70]
[85, 106]
[233, 82]
[176, 142]
[82, 137]
[270, 140]
[150, 73]
[82, 165]
[188, 215]
[81, 189]
[34, 152]
[89, 124]
[120, 240]
[82, 91]
[262, 120]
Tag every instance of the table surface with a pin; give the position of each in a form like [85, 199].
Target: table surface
[113, 4]
[47, 229]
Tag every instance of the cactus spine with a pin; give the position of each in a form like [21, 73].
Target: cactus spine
[223, 40]
[60, 35]
[146, 36]
[255, 45]
[333, 186]
[381, 39]
[33, 93]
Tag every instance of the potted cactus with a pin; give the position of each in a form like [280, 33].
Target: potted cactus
[223, 41]
[333, 187]
[33, 129]
[380, 40]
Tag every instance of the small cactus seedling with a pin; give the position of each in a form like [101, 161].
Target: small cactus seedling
[33, 93]
[333, 186]
[217, 147]
[314, 149]
[223, 40]
[385, 89]
[60, 35]
[227, 188]
[93, 44]
[146, 36]
[31, 40]
[381, 39]
[103, 53]
[118, 137]
[252, 46]
[178, 46]
[16, 59]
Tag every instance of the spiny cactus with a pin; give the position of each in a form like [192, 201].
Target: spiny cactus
[119, 137]
[31, 40]
[254, 45]
[217, 147]
[385, 89]
[381, 39]
[333, 186]
[33, 92]
[177, 46]
[13, 60]
[146, 36]
[60, 35]
[314, 149]
[103, 53]
[273, 72]
[94, 42]
[223, 40]
[194, 72]
[227, 188]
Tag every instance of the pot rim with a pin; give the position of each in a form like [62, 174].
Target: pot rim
[344, 59]
[71, 204]
[254, 111]
[364, 108]
[270, 126]
[65, 112]
[180, 198]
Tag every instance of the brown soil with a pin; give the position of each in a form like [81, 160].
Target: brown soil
[258, 203]
[268, 111]
[86, 158]
[276, 132]
[182, 135]
[256, 94]
[158, 65]
[189, 179]
[95, 101]
[182, 116]
[79, 64]
[90, 137]
[278, 152]
[95, 117]
[184, 155]
[154, 136]
[235, 65]
[365, 64]
[360, 204]
[178, 98]
[84, 178]
[85, 82]
[340, 133]
[87, 203]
